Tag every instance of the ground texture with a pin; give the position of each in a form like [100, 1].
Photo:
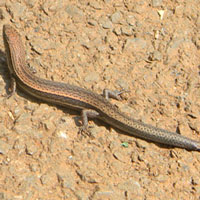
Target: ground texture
[149, 48]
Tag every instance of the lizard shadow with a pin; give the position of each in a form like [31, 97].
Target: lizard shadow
[4, 72]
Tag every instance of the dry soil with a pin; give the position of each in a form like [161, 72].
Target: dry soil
[150, 49]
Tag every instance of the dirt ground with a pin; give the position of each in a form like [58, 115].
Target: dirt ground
[149, 48]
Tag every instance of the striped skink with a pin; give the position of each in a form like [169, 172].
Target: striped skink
[89, 103]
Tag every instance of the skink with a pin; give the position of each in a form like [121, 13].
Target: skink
[90, 103]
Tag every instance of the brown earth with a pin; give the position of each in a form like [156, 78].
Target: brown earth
[150, 48]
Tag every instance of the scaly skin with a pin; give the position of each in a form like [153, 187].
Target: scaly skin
[91, 104]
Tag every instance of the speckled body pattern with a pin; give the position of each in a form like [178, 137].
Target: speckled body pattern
[81, 99]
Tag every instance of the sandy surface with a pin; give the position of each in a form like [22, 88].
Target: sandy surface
[150, 48]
